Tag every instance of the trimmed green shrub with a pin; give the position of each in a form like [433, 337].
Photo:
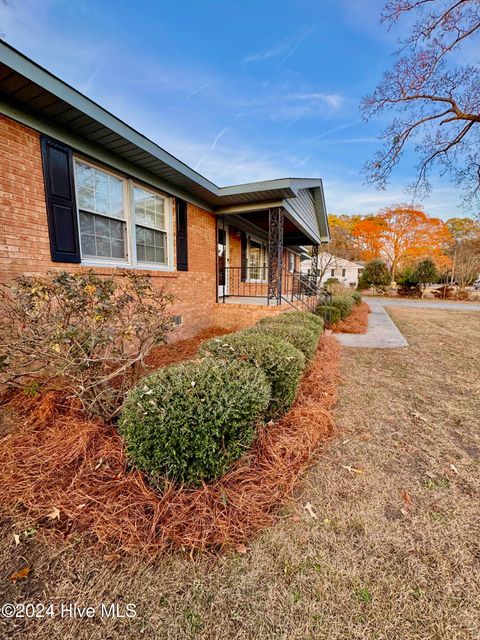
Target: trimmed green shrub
[301, 337]
[189, 422]
[344, 303]
[282, 362]
[330, 314]
[309, 320]
[357, 297]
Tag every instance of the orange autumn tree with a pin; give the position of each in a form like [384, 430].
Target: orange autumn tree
[342, 244]
[409, 235]
[368, 235]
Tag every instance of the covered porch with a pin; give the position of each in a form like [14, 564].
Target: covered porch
[260, 244]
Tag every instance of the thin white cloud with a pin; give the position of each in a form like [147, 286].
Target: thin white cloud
[334, 101]
[212, 147]
[288, 46]
[204, 86]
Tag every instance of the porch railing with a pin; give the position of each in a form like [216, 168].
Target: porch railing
[298, 289]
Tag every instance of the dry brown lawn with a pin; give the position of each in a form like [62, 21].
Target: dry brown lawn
[393, 552]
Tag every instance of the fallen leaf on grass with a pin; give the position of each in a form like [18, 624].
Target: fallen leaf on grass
[454, 469]
[353, 469]
[241, 548]
[308, 507]
[54, 515]
[20, 575]
[407, 501]
[16, 537]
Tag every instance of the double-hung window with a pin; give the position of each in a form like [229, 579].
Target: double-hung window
[150, 226]
[101, 206]
[120, 221]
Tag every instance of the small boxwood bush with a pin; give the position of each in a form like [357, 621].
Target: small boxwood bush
[282, 362]
[301, 337]
[188, 422]
[344, 303]
[309, 320]
[331, 315]
[357, 297]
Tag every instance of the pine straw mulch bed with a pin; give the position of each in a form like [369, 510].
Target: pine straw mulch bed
[71, 476]
[174, 352]
[357, 321]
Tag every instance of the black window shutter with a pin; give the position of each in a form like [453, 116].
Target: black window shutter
[182, 236]
[60, 198]
[244, 256]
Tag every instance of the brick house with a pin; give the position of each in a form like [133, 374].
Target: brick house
[80, 189]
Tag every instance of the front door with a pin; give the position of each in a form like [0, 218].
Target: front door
[223, 260]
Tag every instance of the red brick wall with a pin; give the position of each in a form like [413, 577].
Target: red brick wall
[25, 246]
[239, 316]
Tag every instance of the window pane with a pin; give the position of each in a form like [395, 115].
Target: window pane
[118, 249]
[149, 236]
[103, 247]
[86, 222]
[160, 239]
[160, 221]
[150, 253]
[149, 218]
[86, 198]
[160, 254]
[141, 252]
[116, 229]
[116, 188]
[101, 183]
[116, 208]
[102, 226]
[84, 175]
[88, 245]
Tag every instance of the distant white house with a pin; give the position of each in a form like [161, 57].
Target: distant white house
[345, 271]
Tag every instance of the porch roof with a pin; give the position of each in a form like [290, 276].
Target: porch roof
[33, 96]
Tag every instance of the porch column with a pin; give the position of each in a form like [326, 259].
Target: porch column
[275, 253]
[314, 269]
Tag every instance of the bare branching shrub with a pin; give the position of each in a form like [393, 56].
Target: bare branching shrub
[81, 333]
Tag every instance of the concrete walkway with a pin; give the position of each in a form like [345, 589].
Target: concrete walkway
[382, 332]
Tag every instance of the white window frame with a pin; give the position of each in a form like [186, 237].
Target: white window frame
[129, 209]
[261, 268]
[168, 209]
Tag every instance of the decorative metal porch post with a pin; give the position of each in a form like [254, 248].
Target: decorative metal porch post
[314, 269]
[275, 254]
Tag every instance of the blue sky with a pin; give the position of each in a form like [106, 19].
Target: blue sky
[241, 91]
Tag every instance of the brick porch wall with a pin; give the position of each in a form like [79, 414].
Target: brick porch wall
[233, 317]
[25, 246]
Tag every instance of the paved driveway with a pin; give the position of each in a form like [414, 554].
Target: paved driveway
[382, 332]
